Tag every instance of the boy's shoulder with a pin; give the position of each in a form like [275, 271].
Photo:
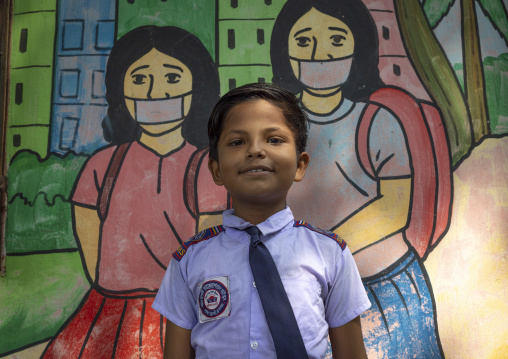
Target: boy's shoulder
[204, 235]
[323, 232]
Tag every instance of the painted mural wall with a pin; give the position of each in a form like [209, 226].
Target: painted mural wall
[107, 154]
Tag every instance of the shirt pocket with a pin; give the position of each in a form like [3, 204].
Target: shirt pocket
[308, 306]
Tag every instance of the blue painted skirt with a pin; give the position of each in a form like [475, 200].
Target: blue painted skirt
[402, 314]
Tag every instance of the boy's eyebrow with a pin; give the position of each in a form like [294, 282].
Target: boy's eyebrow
[272, 129]
[139, 68]
[173, 67]
[338, 29]
[243, 132]
[237, 132]
[302, 30]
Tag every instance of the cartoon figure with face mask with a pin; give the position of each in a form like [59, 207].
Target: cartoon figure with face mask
[136, 200]
[360, 187]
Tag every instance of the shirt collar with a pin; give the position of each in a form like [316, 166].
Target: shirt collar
[274, 223]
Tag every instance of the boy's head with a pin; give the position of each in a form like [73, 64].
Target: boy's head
[285, 100]
[257, 136]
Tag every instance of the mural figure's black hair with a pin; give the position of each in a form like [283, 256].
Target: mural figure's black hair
[364, 77]
[119, 126]
[285, 100]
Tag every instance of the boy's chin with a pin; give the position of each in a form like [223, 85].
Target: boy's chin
[256, 200]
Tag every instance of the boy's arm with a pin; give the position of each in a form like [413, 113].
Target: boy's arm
[178, 342]
[347, 341]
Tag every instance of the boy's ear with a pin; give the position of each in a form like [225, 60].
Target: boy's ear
[213, 166]
[301, 166]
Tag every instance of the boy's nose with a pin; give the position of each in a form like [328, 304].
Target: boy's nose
[255, 150]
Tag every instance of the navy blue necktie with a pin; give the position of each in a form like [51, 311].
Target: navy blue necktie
[278, 312]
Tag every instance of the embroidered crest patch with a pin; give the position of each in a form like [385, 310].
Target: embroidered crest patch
[339, 240]
[201, 236]
[214, 300]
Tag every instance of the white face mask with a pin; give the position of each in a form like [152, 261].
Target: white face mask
[322, 75]
[158, 111]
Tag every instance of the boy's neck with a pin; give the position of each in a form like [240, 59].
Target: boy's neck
[256, 213]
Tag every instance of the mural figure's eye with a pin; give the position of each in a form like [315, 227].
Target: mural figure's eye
[138, 79]
[337, 40]
[303, 41]
[173, 78]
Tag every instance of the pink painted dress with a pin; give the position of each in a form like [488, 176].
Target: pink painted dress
[153, 208]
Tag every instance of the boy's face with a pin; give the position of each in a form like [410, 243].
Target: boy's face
[257, 156]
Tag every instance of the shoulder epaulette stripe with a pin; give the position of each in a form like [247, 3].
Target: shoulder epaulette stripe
[334, 236]
[200, 237]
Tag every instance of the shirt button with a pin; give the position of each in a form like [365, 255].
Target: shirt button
[254, 345]
[254, 284]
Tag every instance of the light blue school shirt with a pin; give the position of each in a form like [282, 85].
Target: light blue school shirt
[209, 289]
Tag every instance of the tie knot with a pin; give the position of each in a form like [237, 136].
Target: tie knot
[254, 235]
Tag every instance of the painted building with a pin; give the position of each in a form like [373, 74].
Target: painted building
[83, 42]
[244, 30]
[31, 71]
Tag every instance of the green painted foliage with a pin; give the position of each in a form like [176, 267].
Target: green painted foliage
[459, 70]
[39, 211]
[31, 177]
[435, 10]
[495, 11]
[496, 83]
[38, 295]
[437, 75]
[38, 227]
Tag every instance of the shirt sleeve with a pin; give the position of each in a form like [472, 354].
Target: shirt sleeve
[346, 297]
[174, 299]
[89, 182]
[387, 146]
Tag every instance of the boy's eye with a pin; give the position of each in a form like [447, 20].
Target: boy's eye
[235, 143]
[138, 79]
[275, 140]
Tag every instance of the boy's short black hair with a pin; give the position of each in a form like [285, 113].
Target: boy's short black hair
[296, 118]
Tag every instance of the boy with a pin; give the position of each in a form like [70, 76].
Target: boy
[214, 308]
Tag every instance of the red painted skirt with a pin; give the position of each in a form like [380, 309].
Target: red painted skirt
[111, 326]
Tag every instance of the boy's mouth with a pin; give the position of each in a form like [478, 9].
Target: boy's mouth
[256, 169]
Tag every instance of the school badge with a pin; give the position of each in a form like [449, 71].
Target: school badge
[214, 301]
